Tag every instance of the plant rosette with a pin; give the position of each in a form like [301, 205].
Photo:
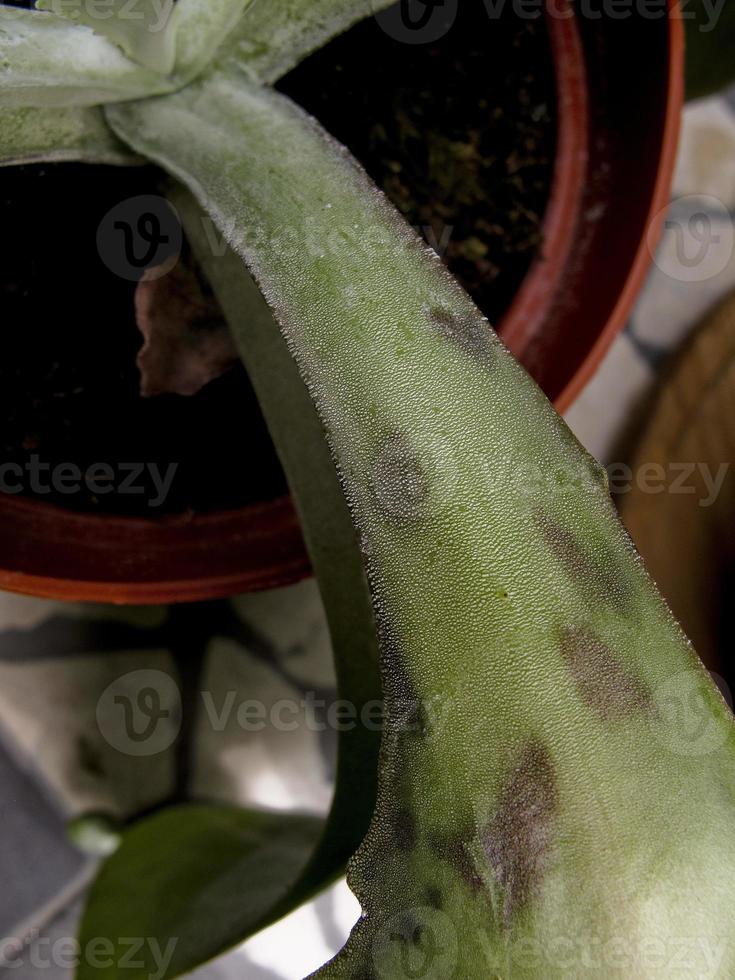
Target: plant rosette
[542, 784]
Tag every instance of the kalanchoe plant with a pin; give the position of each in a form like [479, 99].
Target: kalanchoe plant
[544, 805]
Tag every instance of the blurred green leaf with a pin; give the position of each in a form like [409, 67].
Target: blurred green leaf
[328, 531]
[97, 834]
[710, 28]
[187, 884]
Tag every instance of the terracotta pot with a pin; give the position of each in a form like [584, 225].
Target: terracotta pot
[620, 90]
[619, 95]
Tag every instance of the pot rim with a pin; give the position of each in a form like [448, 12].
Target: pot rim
[260, 546]
[655, 218]
[526, 313]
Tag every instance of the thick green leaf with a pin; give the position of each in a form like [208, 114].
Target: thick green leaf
[201, 26]
[557, 781]
[275, 35]
[59, 134]
[299, 438]
[46, 61]
[75, 53]
[328, 531]
[187, 884]
[143, 30]
[159, 34]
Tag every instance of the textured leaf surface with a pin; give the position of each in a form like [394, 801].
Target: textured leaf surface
[159, 34]
[191, 881]
[276, 35]
[143, 30]
[200, 27]
[328, 531]
[47, 61]
[59, 134]
[544, 797]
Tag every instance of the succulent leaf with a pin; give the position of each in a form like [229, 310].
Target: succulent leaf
[31, 134]
[274, 36]
[299, 438]
[328, 531]
[546, 805]
[143, 30]
[47, 61]
[167, 37]
[201, 26]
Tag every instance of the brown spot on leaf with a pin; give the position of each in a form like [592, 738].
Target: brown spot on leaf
[605, 684]
[472, 333]
[434, 897]
[455, 852]
[399, 687]
[518, 839]
[404, 825]
[399, 480]
[406, 715]
[601, 577]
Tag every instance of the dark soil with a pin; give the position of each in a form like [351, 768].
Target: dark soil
[458, 133]
[68, 379]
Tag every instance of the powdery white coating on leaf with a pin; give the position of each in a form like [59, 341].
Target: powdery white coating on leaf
[47, 61]
[634, 843]
[144, 32]
[200, 27]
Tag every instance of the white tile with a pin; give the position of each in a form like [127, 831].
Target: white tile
[706, 161]
[599, 415]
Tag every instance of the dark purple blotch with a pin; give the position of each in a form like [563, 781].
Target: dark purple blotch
[518, 839]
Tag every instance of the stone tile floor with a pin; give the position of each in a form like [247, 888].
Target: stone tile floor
[56, 661]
